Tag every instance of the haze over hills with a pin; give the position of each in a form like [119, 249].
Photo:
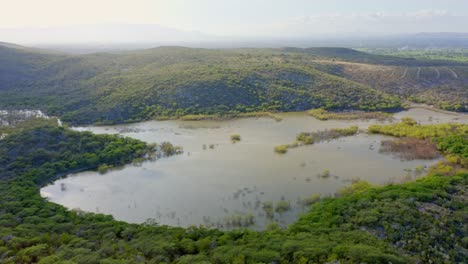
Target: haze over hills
[118, 37]
[175, 81]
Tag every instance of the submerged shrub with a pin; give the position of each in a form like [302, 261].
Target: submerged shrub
[305, 138]
[268, 209]
[325, 174]
[168, 149]
[310, 200]
[410, 148]
[103, 168]
[281, 149]
[282, 206]
[235, 137]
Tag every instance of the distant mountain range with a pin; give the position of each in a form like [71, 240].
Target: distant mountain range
[117, 37]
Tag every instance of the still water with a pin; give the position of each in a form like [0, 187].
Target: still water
[218, 183]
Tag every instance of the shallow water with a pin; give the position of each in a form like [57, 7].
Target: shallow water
[211, 186]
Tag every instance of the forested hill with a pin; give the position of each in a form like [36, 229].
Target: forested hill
[175, 81]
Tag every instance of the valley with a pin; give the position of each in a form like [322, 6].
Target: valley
[216, 181]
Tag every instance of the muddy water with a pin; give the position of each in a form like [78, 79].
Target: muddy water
[218, 183]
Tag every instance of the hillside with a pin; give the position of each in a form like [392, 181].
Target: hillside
[175, 81]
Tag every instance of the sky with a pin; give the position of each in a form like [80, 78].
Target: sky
[244, 18]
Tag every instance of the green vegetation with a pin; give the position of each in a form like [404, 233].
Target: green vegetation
[308, 201]
[226, 116]
[450, 139]
[421, 221]
[325, 135]
[168, 149]
[281, 149]
[103, 168]
[305, 138]
[194, 84]
[268, 209]
[277, 118]
[173, 82]
[323, 114]
[237, 221]
[325, 174]
[282, 206]
[235, 138]
[435, 54]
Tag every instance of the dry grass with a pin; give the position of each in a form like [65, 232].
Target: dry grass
[410, 148]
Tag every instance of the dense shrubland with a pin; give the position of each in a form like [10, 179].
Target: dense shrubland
[172, 82]
[323, 115]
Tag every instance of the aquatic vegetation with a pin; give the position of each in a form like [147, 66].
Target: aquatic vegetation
[409, 121]
[236, 221]
[410, 148]
[330, 134]
[282, 206]
[420, 131]
[323, 115]
[235, 138]
[305, 138]
[200, 117]
[451, 139]
[103, 168]
[168, 149]
[308, 201]
[268, 209]
[325, 174]
[356, 187]
[275, 117]
[282, 149]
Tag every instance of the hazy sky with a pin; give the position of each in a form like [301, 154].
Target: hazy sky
[246, 17]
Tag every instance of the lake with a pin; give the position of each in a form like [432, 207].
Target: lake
[217, 183]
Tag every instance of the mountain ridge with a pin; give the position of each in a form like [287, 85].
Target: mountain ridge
[172, 81]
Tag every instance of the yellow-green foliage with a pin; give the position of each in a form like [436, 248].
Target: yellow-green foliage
[310, 200]
[199, 117]
[451, 139]
[345, 132]
[230, 115]
[235, 137]
[282, 206]
[357, 187]
[419, 131]
[408, 121]
[325, 174]
[277, 118]
[103, 168]
[305, 138]
[282, 149]
[323, 115]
